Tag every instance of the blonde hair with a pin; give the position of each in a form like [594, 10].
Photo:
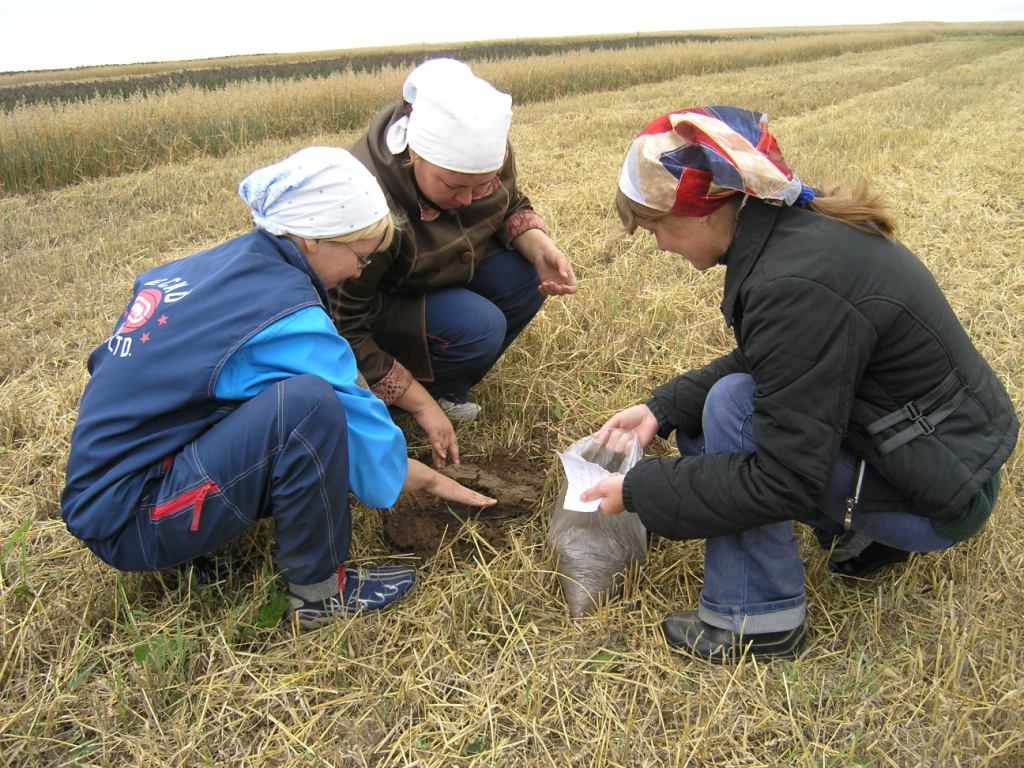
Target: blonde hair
[631, 213]
[384, 230]
[859, 208]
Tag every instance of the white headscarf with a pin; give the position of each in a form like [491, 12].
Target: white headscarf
[317, 192]
[458, 121]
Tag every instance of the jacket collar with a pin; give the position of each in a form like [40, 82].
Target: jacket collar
[754, 225]
[397, 181]
[290, 253]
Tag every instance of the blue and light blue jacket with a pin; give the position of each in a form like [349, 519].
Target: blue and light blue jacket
[200, 335]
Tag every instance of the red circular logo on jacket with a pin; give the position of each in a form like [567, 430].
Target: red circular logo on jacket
[142, 309]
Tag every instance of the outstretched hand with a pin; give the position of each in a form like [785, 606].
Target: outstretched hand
[423, 478]
[556, 275]
[620, 427]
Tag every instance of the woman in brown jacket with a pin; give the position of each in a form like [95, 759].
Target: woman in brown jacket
[472, 266]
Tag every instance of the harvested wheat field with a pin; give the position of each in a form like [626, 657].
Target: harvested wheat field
[482, 665]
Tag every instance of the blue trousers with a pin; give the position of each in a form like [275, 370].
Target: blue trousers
[468, 327]
[282, 454]
[754, 580]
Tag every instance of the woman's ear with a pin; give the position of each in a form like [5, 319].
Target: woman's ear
[306, 245]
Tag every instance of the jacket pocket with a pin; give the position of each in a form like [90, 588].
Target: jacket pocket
[191, 498]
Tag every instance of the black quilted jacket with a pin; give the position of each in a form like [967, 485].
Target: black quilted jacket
[838, 329]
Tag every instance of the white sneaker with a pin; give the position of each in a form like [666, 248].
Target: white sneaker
[459, 411]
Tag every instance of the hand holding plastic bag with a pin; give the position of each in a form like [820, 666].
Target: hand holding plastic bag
[593, 550]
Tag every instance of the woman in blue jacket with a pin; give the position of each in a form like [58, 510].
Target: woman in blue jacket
[224, 394]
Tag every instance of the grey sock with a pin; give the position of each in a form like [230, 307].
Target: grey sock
[321, 590]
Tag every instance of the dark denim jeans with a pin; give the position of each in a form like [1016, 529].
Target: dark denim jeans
[468, 327]
[754, 580]
[283, 454]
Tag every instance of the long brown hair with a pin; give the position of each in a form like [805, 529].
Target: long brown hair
[859, 208]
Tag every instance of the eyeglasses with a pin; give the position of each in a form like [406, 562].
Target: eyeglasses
[363, 261]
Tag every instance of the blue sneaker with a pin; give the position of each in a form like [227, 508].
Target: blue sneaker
[360, 589]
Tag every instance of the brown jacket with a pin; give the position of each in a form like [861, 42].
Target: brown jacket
[382, 311]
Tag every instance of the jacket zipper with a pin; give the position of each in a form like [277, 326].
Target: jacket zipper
[193, 498]
[853, 501]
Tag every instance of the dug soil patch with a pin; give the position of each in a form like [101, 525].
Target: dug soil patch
[426, 525]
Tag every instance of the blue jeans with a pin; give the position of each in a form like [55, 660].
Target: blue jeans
[468, 327]
[282, 454]
[754, 580]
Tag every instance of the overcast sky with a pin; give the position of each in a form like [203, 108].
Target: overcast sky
[54, 34]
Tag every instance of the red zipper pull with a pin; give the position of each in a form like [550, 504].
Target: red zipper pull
[197, 509]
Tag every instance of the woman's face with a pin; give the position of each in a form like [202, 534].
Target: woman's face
[449, 189]
[335, 262]
[701, 241]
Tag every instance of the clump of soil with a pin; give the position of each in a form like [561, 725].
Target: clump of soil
[425, 525]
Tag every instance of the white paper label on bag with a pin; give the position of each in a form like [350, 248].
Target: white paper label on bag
[581, 474]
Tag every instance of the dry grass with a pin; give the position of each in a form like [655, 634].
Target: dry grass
[45, 146]
[922, 667]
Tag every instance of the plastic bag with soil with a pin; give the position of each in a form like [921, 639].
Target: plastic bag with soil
[592, 551]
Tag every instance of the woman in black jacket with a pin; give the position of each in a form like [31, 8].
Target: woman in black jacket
[854, 400]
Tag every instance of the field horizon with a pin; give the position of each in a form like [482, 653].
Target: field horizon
[65, 74]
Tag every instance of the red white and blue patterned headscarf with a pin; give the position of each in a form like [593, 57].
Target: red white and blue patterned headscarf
[691, 162]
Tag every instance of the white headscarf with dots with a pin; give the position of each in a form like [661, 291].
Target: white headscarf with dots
[317, 192]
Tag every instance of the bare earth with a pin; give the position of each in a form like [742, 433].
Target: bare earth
[426, 525]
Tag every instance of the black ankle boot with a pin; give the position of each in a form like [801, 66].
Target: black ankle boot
[873, 557]
[685, 630]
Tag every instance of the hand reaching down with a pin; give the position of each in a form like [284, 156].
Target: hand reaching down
[423, 478]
